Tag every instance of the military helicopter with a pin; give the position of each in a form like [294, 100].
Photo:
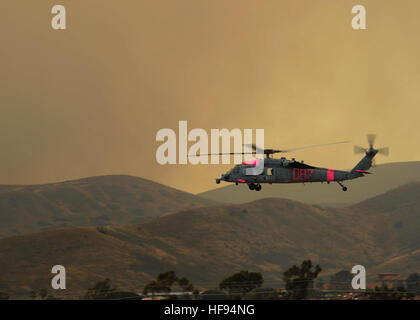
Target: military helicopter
[291, 171]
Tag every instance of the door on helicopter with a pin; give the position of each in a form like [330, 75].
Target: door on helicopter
[269, 174]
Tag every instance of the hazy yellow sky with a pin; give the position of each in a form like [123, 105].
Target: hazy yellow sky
[89, 100]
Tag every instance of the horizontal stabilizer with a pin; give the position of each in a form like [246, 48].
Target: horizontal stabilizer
[363, 171]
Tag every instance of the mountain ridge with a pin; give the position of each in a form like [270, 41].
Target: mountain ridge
[206, 244]
[92, 201]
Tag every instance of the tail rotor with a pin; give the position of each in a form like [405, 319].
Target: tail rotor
[359, 150]
[371, 150]
[384, 151]
[371, 139]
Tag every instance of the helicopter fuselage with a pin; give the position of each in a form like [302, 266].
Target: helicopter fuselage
[291, 171]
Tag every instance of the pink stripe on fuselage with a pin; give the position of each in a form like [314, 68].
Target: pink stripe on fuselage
[253, 162]
[330, 175]
[240, 180]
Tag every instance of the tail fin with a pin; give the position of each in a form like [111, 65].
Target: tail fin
[366, 161]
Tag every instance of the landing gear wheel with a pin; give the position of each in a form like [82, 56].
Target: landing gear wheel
[251, 186]
[342, 186]
[258, 187]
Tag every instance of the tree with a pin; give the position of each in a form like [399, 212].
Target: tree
[185, 284]
[101, 291]
[413, 284]
[299, 280]
[385, 293]
[262, 294]
[320, 283]
[41, 294]
[4, 296]
[151, 287]
[213, 295]
[242, 282]
[341, 281]
[165, 281]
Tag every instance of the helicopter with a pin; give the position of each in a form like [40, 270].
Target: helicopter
[291, 171]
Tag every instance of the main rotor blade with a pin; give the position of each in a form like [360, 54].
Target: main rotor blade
[258, 150]
[220, 154]
[313, 146]
[359, 149]
[371, 139]
[384, 151]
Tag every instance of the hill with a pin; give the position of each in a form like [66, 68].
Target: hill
[209, 243]
[394, 219]
[204, 244]
[95, 201]
[384, 178]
